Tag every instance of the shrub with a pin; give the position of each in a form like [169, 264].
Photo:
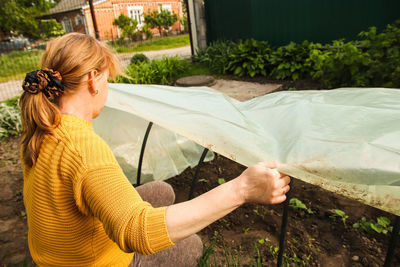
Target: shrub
[162, 20]
[139, 58]
[289, 61]
[373, 61]
[127, 25]
[250, 58]
[384, 49]
[344, 64]
[158, 71]
[10, 118]
[215, 56]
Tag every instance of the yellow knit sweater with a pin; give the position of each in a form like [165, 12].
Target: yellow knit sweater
[81, 209]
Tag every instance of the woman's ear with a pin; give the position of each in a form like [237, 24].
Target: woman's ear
[92, 87]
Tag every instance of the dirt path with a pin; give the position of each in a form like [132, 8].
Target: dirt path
[183, 52]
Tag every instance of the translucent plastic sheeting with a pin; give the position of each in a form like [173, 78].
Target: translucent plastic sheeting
[344, 140]
[167, 154]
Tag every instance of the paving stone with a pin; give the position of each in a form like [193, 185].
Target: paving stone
[196, 80]
[244, 91]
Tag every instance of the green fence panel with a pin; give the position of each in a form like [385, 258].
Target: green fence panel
[280, 22]
[228, 20]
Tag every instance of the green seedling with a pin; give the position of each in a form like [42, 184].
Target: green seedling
[258, 260]
[274, 250]
[203, 261]
[221, 181]
[246, 230]
[203, 181]
[382, 225]
[339, 214]
[263, 241]
[258, 213]
[297, 204]
[231, 256]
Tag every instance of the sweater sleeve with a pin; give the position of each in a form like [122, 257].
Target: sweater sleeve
[129, 221]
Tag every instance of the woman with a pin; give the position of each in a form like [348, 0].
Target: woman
[81, 209]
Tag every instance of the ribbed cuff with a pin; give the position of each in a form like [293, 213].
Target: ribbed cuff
[157, 231]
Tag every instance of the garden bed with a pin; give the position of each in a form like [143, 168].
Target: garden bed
[313, 239]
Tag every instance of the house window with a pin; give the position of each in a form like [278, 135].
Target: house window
[67, 25]
[136, 13]
[165, 7]
[78, 20]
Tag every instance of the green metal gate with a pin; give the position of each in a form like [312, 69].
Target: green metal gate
[282, 21]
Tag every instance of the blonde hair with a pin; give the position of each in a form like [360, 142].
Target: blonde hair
[73, 55]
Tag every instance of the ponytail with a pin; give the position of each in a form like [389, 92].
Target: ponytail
[40, 115]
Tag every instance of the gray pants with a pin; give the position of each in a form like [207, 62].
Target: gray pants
[186, 252]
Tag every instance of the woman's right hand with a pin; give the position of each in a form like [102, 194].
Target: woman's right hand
[262, 183]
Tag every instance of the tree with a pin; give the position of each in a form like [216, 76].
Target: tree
[161, 20]
[50, 28]
[20, 16]
[127, 25]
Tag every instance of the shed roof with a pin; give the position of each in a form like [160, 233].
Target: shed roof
[69, 5]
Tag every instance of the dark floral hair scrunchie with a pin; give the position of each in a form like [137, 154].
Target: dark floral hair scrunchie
[44, 80]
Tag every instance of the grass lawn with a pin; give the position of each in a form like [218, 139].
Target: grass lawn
[153, 44]
[16, 64]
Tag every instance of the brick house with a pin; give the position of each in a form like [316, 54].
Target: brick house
[75, 16]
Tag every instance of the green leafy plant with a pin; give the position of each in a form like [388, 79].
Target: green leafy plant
[384, 49]
[289, 61]
[158, 71]
[221, 181]
[139, 58]
[215, 56]
[250, 58]
[263, 240]
[342, 64]
[294, 259]
[339, 214]
[297, 204]
[256, 212]
[10, 118]
[382, 225]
